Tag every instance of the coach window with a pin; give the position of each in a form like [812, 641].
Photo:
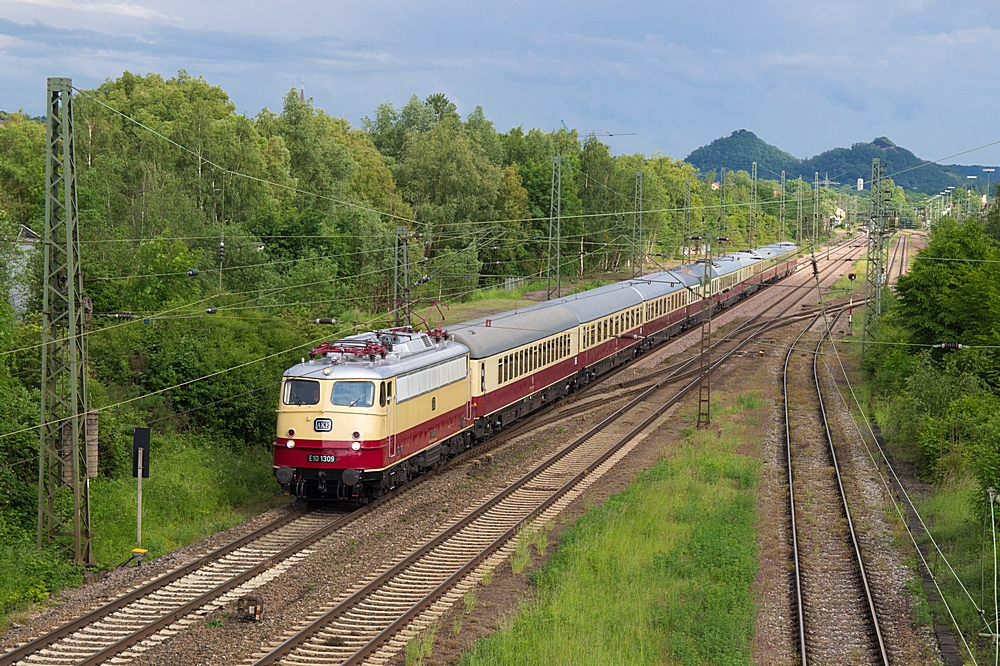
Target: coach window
[381, 394]
[499, 371]
[482, 377]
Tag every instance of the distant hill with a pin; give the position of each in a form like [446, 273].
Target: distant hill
[844, 165]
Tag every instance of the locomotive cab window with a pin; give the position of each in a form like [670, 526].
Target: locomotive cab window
[381, 394]
[353, 394]
[301, 392]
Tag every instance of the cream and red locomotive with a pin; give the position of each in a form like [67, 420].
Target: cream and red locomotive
[369, 412]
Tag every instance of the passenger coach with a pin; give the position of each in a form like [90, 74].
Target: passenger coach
[367, 413]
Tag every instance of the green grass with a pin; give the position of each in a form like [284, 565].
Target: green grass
[660, 573]
[947, 510]
[195, 489]
[29, 575]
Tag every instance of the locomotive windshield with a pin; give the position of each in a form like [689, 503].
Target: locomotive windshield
[353, 394]
[301, 392]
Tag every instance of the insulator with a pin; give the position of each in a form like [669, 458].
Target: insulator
[222, 251]
[325, 321]
[193, 272]
[211, 309]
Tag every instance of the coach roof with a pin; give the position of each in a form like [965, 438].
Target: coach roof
[512, 329]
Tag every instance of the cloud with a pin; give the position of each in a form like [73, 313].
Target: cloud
[119, 8]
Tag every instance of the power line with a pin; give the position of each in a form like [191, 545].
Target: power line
[239, 174]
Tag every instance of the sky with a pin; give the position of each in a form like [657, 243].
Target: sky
[804, 76]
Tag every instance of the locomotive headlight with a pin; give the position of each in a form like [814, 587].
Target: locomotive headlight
[355, 446]
[290, 443]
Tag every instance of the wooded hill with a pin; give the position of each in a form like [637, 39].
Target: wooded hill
[844, 165]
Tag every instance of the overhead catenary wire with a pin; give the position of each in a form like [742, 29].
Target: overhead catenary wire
[239, 174]
[206, 376]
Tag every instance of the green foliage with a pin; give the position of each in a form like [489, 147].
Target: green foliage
[195, 488]
[22, 170]
[943, 406]
[661, 573]
[30, 576]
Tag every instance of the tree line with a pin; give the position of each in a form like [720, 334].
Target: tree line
[293, 214]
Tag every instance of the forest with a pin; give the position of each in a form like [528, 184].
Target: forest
[288, 216]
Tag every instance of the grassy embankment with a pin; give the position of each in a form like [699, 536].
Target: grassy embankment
[195, 489]
[661, 572]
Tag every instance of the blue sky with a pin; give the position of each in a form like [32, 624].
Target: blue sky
[804, 76]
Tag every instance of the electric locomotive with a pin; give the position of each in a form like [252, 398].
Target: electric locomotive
[359, 417]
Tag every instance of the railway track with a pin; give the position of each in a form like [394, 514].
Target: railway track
[375, 620]
[837, 618]
[151, 613]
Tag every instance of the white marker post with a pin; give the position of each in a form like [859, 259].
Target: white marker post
[140, 469]
[138, 503]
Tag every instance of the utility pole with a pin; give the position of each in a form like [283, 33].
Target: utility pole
[753, 200]
[722, 204]
[555, 231]
[798, 198]
[705, 355]
[816, 208]
[64, 470]
[401, 280]
[878, 252]
[637, 253]
[781, 222]
[686, 251]
[724, 222]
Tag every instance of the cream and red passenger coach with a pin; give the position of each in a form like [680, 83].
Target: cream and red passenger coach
[367, 413]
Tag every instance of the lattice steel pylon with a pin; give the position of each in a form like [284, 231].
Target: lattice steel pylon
[401, 280]
[63, 469]
[753, 203]
[781, 219]
[686, 231]
[552, 268]
[816, 209]
[705, 355]
[638, 256]
[879, 230]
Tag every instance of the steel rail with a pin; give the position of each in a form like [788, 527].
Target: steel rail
[791, 498]
[317, 625]
[170, 617]
[883, 654]
[22, 651]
